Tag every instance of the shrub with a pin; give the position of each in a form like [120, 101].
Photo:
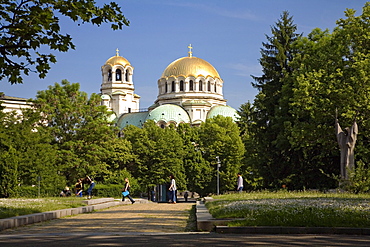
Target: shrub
[359, 181]
[107, 190]
[33, 191]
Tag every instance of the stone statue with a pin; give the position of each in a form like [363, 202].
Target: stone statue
[346, 140]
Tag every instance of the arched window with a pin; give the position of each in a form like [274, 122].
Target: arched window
[162, 124]
[181, 86]
[173, 86]
[127, 75]
[118, 75]
[215, 87]
[209, 86]
[110, 75]
[200, 86]
[191, 86]
[166, 87]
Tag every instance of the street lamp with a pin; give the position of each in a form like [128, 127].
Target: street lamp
[218, 174]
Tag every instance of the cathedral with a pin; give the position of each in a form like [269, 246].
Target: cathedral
[189, 91]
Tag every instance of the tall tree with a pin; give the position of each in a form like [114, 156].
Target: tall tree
[9, 160]
[29, 26]
[252, 178]
[80, 128]
[332, 72]
[198, 170]
[159, 153]
[271, 112]
[26, 154]
[220, 136]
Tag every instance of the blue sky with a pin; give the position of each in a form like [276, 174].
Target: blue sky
[226, 33]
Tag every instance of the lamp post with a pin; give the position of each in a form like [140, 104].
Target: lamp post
[218, 174]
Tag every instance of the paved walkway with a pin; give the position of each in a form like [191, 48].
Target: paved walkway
[151, 224]
[138, 217]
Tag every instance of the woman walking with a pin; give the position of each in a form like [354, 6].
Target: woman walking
[126, 191]
[91, 184]
[173, 188]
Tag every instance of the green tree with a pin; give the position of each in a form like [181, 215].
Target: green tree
[26, 154]
[80, 129]
[28, 26]
[332, 73]
[251, 175]
[271, 107]
[120, 160]
[9, 160]
[220, 136]
[159, 153]
[198, 171]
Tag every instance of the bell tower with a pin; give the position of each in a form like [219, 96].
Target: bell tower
[117, 86]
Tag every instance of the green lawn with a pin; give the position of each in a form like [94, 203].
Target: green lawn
[305, 209]
[23, 206]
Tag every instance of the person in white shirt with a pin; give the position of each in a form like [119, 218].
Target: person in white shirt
[240, 183]
[173, 189]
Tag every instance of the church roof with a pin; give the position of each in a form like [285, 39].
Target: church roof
[190, 66]
[169, 113]
[117, 60]
[223, 110]
[164, 113]
[135, 118]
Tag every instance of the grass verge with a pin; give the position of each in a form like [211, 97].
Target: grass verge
[22, 206]
[191, 223]
[300, 209]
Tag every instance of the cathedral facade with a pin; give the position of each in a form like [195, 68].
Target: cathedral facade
[190, 90]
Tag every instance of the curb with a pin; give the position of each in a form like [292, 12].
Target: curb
[291, 230]
[93, 204]
[205, 222]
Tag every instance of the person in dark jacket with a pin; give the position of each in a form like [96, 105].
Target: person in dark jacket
[126, 188]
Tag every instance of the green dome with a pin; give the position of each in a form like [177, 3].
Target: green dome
[169, 113]
[135, 118]
[223, 110]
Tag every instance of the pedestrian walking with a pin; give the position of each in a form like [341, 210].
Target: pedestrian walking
[126, 191]
[78, 188]
[173, 189]
[91, 184]
[240, 183]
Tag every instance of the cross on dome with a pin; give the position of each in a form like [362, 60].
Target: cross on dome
[117, 52]
[190, 51]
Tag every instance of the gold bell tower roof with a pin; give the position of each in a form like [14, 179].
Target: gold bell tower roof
[117, 60]
[190, 66]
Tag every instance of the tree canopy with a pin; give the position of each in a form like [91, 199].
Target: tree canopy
[291, 124]
[28, 26]
[80, 129]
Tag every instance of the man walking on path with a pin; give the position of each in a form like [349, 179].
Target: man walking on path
[240, 183]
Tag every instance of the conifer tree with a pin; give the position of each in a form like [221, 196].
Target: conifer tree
[270, 110]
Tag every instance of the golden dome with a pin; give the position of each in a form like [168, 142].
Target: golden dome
[190, 66]
[117, 60]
